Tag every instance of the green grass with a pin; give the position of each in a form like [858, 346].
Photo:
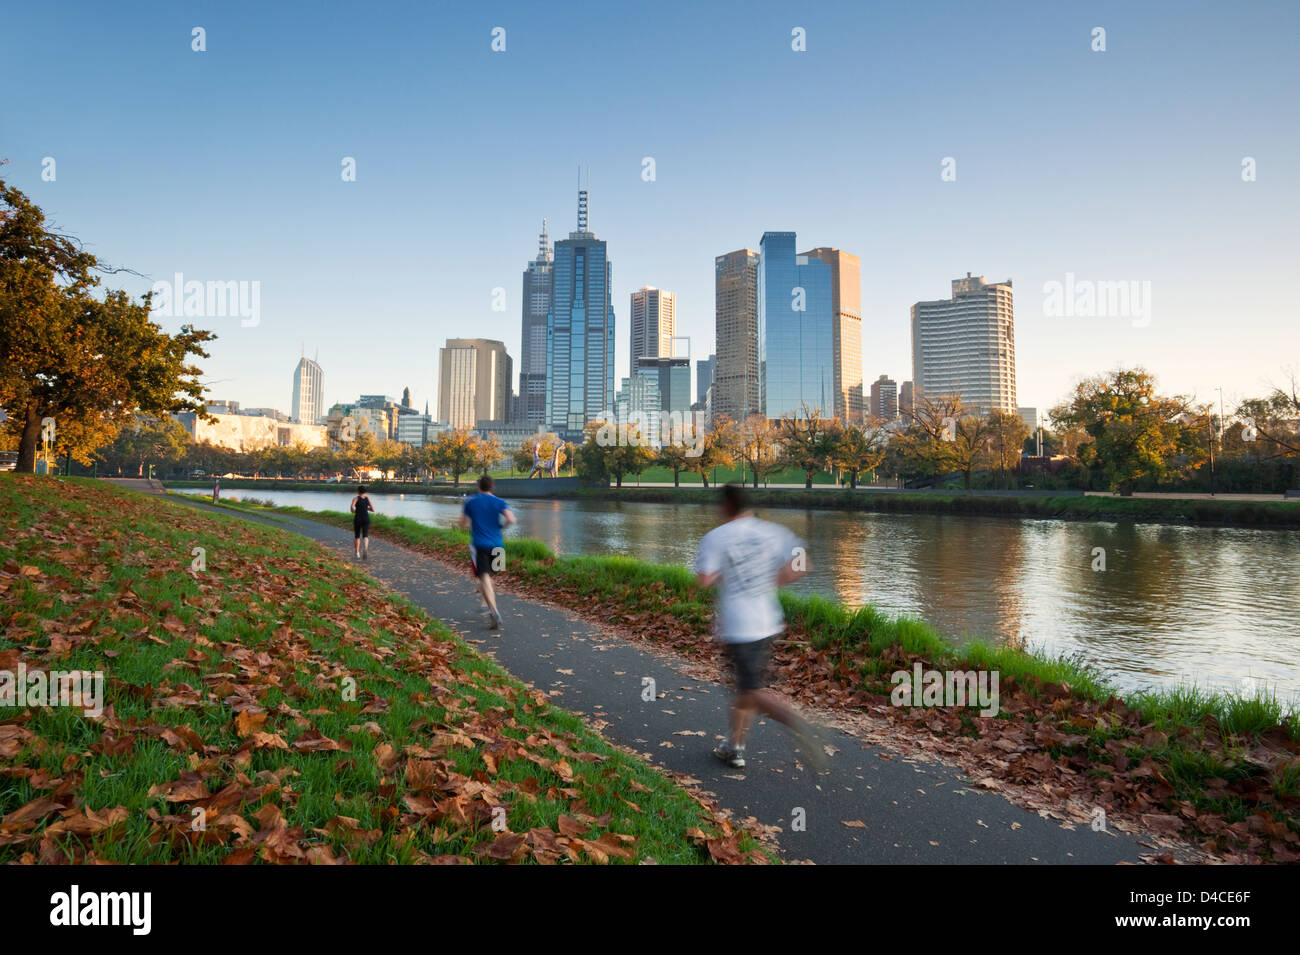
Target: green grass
[118, 565]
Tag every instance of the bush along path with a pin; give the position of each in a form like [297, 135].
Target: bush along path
[878, 804]
[265, 701]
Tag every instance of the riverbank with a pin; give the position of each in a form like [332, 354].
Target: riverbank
[1219, 769]
[304, 714]
[1025, 505]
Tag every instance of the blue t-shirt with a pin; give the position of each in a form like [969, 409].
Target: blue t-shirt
[484, 511]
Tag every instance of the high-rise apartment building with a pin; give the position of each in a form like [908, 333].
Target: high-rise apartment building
[884, 398]
[966, 345]
[846, 330]
[579, 332]
[473, 382]
[308, 392]
[735, 297]
[796, 338]
[654, 321]
[532, 342]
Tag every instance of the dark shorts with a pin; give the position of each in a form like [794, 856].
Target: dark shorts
[360, 528]
[749, 663]
[483, 557]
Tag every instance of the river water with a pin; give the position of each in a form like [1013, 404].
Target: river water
[1217, 606]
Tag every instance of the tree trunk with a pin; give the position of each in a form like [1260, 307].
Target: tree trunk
[677, 478]
[705, 478]
[807, 480]
[853, 480]
[618, 480]
[27, 444]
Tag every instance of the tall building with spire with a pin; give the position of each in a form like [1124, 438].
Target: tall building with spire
[579, 331]
[532, 343]
[308, 392]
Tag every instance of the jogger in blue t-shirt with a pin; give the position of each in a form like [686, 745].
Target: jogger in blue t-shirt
[485, 514]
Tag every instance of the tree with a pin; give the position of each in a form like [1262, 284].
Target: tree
[606, 454]
[756, 445]
[1274, 421]
[1007, 435]
[487, 452]
[718, 450]
[160, 440]
[676, 457]
[1135, 433]
[453, 452]
[807, 442]
[859, 449]
[89, 363]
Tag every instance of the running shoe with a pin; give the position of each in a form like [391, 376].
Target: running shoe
[495, 620]
[731, 755]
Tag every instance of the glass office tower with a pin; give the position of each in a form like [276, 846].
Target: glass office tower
[796, 336]
[579, 332]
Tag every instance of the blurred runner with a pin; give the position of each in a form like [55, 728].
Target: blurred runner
[747, 560]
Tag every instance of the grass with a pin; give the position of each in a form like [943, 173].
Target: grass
[311, 714]
[1186, 745]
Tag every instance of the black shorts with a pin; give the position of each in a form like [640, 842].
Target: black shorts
[360, 529]
[749, 663]
[483, 558]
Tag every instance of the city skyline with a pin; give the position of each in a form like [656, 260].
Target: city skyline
[1103, 169]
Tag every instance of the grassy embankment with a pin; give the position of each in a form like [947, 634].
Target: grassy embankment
[1280, 514]
[1220, 768]
[227, 690]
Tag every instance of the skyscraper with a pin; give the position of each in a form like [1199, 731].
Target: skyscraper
[735, 298]
[906, 399]
[884, 398]
[532, 341]
[308, 392]
[579, 332]
[966, 345]
[846, 330]
[473, 382]
[704, 370]
[796, 338]
[654, 321]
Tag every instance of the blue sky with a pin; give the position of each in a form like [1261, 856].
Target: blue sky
[1115, 166]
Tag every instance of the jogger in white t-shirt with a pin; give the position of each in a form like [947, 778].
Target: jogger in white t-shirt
[747, 560]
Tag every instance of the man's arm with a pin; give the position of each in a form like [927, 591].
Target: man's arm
[509, 515]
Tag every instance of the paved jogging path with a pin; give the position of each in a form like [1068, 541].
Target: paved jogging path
[910, 811]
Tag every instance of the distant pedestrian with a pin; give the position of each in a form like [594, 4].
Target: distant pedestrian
[485, 514]
[362, 508]
[747, 560]
[216, 489]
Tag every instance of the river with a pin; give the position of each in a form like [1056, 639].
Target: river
[1217, 606]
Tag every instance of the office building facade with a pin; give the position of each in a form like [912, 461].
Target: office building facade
[308, 392]
[653, 315]
[473, 382]
[704, 369]
[846, 330]
[735, 297]
[796, 340]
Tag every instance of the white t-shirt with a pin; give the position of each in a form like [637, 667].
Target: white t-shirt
[748, 553]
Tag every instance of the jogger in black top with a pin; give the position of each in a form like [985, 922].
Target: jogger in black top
[362, 508]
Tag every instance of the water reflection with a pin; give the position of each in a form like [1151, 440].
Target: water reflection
[1212, 604]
